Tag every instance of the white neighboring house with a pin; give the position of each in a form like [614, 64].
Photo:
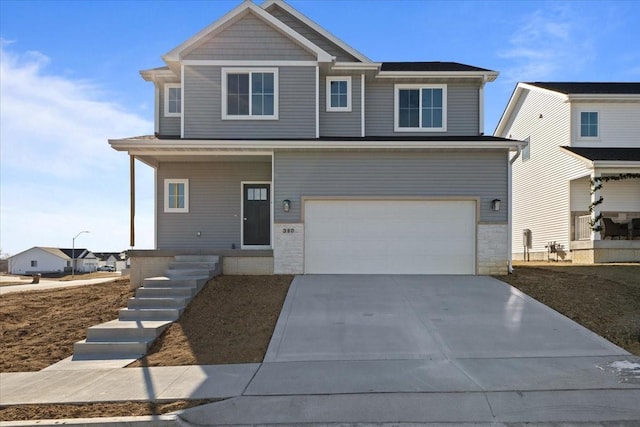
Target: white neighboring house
[578, 134]
[52, 260]
[117, 260]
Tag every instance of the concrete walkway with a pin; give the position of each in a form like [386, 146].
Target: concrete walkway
[386, 349]
[50, 284]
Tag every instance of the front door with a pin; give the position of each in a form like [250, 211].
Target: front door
[256, 225]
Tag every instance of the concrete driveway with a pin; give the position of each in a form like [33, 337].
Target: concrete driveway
[449, 349]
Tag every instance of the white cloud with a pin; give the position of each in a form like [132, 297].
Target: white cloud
[59, 175]
[547, 43]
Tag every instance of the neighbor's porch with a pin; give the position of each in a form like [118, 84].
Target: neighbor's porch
[616, 236]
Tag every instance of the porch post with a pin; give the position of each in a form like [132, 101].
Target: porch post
[595, 196]
[132, 195]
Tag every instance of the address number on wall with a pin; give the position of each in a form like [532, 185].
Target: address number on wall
[288, 230]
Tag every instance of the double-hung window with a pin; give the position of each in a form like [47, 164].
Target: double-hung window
[420, 108]
[588, 124]
[172, 100]
[338, 93]
[249, 94]
[176, 195]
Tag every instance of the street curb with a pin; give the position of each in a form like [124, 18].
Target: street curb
[142, 421]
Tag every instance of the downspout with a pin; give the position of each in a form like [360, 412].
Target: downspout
[510, 210]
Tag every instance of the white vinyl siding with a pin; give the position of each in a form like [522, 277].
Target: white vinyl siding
[618, 124]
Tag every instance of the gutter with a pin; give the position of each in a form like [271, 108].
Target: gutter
[510, 210]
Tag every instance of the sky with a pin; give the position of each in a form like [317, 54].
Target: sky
[69, 81]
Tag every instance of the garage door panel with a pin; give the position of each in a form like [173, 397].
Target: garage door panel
[390, 237]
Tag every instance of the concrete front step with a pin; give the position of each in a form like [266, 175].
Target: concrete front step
[193, 265]
[127, 330]
[109, 350]
[146, 292]
[171, 302]
[169, 314]
[185, 273]
[166, 282]
[197, 258]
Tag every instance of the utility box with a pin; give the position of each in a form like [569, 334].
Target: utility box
[527, 240]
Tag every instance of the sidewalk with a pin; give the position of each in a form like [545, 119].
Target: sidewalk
[50, 284]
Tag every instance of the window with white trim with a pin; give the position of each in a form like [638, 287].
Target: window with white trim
[249, 94]
[338, 93]
[176, 195]
[588, 124]
[420, 108]
[172, 100]
[34, 263]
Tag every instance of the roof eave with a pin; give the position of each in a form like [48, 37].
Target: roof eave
[488, 76]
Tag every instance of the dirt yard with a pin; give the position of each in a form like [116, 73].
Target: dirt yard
[232, 319]
[603, 298]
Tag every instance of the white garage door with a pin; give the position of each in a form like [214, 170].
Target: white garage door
[390, 237]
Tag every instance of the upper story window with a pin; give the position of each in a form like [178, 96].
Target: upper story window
[420, 108]
[172, 100]
[588, 124]
[339, 93]
[249, 94]
[176, 195]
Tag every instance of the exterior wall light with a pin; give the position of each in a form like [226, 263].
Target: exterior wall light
[495, 204]
[286, 205]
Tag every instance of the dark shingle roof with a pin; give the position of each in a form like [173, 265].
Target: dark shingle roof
[590, 87]
[607, 153]
[429, 66]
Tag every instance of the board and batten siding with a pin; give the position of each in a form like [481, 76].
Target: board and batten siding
[463, 116]
[341, 123]
[481, 174]
[311, 35]
[214, 203]
[203, 106]
[618, 124]
[249, 38]
[541, 184]
[169, 126]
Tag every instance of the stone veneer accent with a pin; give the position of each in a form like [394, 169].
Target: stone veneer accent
[288, 248]
[492, 249]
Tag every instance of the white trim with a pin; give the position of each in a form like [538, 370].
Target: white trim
[362, 113]
[223, 99]
[182, 106]
[155, 207]
[167, 89]
[396, 115]
[248, 7]
[317, 101]
[183, 181]
[329, 80]
[437, 74]
[219, 147]
[481, 107]
[156, 111]
[283, 5]
[242, 184]
[356, 66]
[248, 63]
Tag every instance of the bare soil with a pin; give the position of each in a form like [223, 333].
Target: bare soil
[232, 320]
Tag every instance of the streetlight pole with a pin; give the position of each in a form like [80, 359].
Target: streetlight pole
[73, 254]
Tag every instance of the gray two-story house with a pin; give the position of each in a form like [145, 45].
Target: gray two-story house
[285, 150]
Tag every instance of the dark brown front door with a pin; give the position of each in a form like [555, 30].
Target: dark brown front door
[257, 214]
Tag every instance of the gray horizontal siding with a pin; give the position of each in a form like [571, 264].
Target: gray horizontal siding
[169, 126]
[436, 173]
[341, 123]
[312, 35]
[250, 39]
[202, 109]
[462, 109]
[214, 203]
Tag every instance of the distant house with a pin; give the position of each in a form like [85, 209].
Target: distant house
[118, 260]
[581, 135]
[52, 260]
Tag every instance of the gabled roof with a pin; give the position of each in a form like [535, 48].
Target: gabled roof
[606, 153]
[241, 10]
[77, 252]
[579, 88]
[314, 26]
